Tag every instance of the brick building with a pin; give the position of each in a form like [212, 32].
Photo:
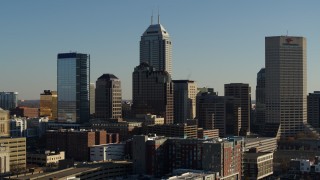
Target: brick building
[25, 112]
[158, 156]
[75, 143]
[125, 129]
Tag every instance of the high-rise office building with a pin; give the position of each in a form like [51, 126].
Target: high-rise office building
[92, 98]
[4, 123]
[73, 87]
[156, 48]
[108, 97]
[243, 93]
[314, 109]
[185, 93]
[286, 83]
[8, 100]
[219, 112]
[49, 104]
[261, 85]
[152, 92]
[260, 101]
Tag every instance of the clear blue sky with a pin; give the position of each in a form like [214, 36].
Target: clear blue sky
[214, 42]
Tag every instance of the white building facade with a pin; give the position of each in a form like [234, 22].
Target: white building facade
[105, 152]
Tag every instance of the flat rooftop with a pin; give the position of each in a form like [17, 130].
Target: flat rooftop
[70, 172]
[257, 139]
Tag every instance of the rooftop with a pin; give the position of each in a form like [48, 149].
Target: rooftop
[257, 139]
[108, 76]
[70, 171]
[183, 81]
[156, 29]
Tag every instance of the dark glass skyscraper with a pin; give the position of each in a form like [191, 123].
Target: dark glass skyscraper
[260, 101]
[313, 100]
[8, 100]
[243, 92]
[185, 92]
[73, 87]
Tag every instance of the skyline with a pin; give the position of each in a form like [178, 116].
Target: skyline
[214, 43]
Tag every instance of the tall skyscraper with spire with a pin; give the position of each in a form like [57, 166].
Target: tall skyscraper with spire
[156, 47]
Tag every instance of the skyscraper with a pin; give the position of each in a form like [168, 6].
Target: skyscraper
[185, 93]
[92, 98]
[261, 85]
[286, 83]
[260, 101]
[48, 104]
[8, 100]
[243, 93]
[108, 97]
[314, 109]
[156, 48]
[219, 112]
[152, 92]
[73, 87]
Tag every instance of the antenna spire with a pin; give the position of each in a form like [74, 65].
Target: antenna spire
[152, 18]
[158, 16]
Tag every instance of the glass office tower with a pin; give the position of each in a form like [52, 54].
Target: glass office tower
[73, 87]
[8, 100]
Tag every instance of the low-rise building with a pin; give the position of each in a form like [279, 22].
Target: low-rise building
[262, 144]
[113, 138]
[306, 165]
[45, 159]
[28, 127]
[25, 112]
[174, 130]
[17, 153]
[105, 152]
[4, 160]
[208, 133]
[101, 170]
[4, 123]
[158, 155]
[18, 127]
[75, 143]
[150, 119]
[183, 174]
[125, 129]
[257, 165]
[57, 126]
[40, 125]
[303, 169]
